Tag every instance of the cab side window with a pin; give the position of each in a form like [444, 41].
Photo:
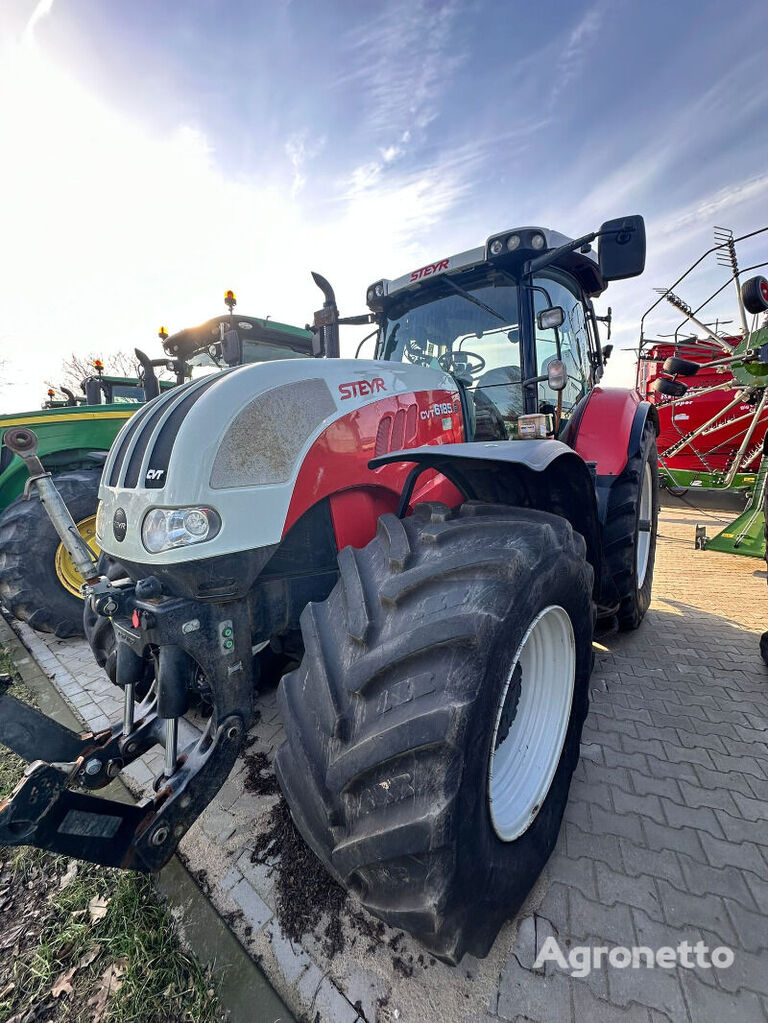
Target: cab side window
[574, 340]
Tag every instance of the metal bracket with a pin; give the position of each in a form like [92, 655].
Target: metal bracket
[28, 486]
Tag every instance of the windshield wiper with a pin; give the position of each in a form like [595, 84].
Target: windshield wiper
[471, 298]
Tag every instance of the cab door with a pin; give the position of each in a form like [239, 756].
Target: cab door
[554, 288]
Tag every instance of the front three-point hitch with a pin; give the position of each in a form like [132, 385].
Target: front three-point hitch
[52, 807]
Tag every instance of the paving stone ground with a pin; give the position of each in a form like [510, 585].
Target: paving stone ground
[664, 838]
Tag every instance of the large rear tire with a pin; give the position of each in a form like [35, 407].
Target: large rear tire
[37, 583]
[629, 538]
[448, 642]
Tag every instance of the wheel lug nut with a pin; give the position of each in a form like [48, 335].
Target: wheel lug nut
[93, 767]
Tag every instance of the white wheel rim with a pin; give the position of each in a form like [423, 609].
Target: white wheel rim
[524, 764]
[644, 525]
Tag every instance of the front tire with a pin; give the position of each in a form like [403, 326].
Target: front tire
[36, 584]
[420, 668]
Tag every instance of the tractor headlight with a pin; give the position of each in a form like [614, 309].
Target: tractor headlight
[165, 528]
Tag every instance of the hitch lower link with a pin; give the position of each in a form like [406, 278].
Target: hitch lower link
[52, 807]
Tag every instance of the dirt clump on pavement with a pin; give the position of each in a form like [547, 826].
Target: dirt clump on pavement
[259, 777]
[305, 891]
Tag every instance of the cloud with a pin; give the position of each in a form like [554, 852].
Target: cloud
[572, 57]
[110, 229]
[299, 151]
[296, 152]
[704, 209]
[398, 62]
[42, 10]
[390, 153]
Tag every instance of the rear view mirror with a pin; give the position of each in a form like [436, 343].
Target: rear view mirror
[232, 348]
[621, 248]
[92, 388]
[557, 375]
[549, 318]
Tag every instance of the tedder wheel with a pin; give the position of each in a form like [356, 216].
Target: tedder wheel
[754, 295]
[629, 537]
[685, 367]
[434, 724]
[670, 388]
[38, 582]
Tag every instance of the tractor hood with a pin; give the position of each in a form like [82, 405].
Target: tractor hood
[232, 443]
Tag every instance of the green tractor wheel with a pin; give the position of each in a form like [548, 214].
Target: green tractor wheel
[38, 583]
[66, 572]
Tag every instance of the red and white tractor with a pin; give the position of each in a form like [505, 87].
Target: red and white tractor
[429, 535]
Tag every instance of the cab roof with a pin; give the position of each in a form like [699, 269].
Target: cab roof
[582, 264]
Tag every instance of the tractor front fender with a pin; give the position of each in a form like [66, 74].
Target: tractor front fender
[543, 474]
[606, 427]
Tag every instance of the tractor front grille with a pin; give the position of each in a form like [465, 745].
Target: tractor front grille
[146, 441]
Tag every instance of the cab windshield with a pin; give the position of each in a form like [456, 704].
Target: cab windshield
[203, 362]
[475, 336]
[126, 394]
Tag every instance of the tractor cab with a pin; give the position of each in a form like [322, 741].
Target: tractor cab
[103, 390]
[99, 389]
[512, 322]
[53, 402]
[235, 340]
[219, 343]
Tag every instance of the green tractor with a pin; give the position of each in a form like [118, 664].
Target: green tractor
[75, 435]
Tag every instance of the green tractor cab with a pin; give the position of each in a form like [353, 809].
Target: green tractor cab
[75, 434]
[207, 347]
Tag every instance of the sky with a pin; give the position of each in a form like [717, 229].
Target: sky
[156, 154]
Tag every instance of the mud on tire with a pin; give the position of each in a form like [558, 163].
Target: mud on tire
[29, 585]
[390, 718]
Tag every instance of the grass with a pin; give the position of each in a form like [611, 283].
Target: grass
[127, 967]
[11, 766]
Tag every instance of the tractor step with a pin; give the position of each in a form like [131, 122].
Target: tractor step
[52, 809]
